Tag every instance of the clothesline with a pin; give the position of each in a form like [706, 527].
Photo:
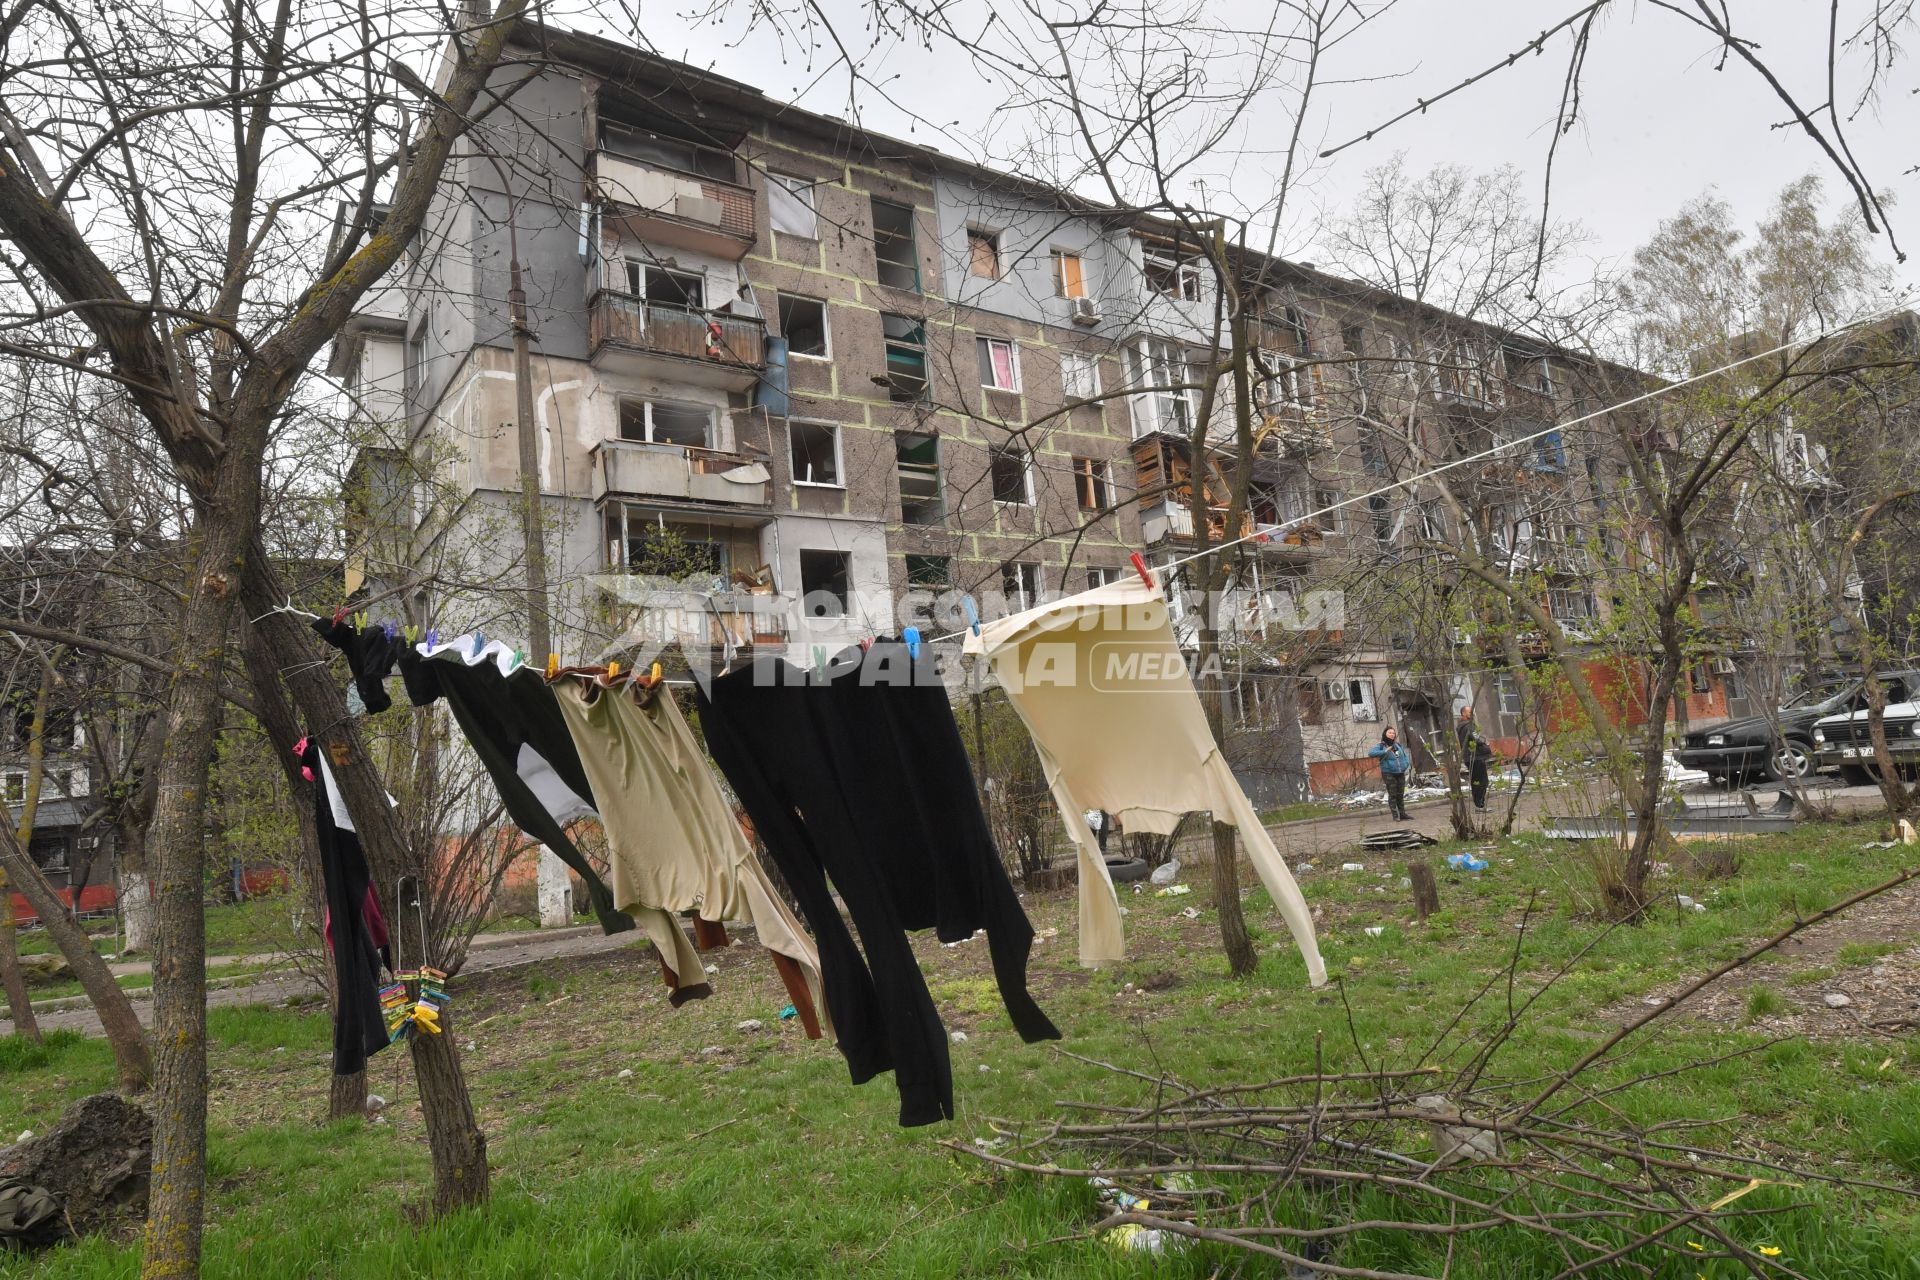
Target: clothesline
[1267, 533]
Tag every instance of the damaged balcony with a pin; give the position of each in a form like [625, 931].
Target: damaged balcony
[668, 340]
[691, 203]
[680, 474]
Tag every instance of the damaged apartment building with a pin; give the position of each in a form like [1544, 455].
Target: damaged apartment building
[797, 359]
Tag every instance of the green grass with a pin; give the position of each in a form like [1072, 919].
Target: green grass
[1863, 953]
[1298, 811]
[1764, 1002]
[758, 1158]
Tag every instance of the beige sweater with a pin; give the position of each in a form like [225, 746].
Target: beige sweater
[1103, 688]
[673, 842]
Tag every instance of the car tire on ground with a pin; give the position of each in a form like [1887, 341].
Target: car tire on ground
[1793, 761]
[1125, 869]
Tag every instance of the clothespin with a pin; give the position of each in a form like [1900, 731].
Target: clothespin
[479, 641]
[912, 637]
[518, 659]
[433, 637]
[360, 620]
[553, 666]
[339, 614]
[973, 614]
[411, 631]
[655, 674]
[613, 672]
[866, 643]
[390, 629]
[1140, 567]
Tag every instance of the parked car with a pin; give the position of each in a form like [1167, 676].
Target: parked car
[1846, 740]
[1782, 746]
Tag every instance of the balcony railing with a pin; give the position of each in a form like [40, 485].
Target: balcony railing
[1173, 518]
[636, 469]
[708, 205]
[665, 328]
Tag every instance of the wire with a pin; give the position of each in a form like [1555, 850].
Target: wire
[1503, 447]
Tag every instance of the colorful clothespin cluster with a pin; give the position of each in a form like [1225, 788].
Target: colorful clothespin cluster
[412, 1003]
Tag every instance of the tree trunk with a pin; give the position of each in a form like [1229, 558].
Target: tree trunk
[1426, 892]
[458, 1148]
[116, 1014]
[1234, 939]
[348, 1096]
[19, 1004]
[177, 848]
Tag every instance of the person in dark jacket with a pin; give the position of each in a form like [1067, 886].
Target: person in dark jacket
[1395, 763]
[1475, 753]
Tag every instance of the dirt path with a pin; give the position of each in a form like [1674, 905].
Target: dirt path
[510, 951]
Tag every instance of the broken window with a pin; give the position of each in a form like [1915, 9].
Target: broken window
[823, 583]
[1170, 276]
[1090, 483]
[1020, 584]
[906, 342]
[1157, 367]
[663, 422]
[929, 571]
[896, 257]
[1069, 275]
[999, 365]
[1079, 375]
[983, 254]
[790, 206]
[1099, 577]
[815, 452]
[803, 323]
[1012, 476]
[653, 148]
[917, 461]
[672, 288]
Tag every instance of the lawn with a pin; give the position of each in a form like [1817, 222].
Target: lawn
[729, 1152]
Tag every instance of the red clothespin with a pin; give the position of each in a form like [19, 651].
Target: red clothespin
[1140, 567]
[339, 614]
[866, 644]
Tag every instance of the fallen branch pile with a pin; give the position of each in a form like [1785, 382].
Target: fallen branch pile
[1370, 1173]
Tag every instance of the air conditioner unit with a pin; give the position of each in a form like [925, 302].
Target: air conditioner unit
[1333, 690]
[1084, 312]
[1724, 666]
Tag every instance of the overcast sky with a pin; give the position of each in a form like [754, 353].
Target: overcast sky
[1660, 124]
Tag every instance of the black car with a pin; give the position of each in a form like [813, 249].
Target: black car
[1781, 745]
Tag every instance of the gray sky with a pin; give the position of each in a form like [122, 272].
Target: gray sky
[1660, 125]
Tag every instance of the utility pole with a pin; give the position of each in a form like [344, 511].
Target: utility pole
[552, 886]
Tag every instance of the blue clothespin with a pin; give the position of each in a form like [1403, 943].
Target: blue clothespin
[479, 642]
[912, 636]
[391, 629]
[433, 637]
[973, 613]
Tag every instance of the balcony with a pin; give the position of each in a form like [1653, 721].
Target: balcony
[630, 469]
[1172, 519]
[669, 341]
[671, 208]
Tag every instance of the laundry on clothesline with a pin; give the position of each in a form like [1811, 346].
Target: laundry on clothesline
[673, 842]
[856, 781]
[1102, 687]
[354, 929]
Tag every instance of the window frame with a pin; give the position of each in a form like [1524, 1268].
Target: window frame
[839, 460]
[845, 598]
[826, 326]
[925, 558]
[987, 239]
[1061, 286]
[911, 262]
[1089, 364]
[1183, 274]
[984, 345]
[927, 470]
[1099, 575]
[647, 403]
[1019, 570]
[905, 343]
[802, 190]
[995, 453]
[1148, 359]
[1094, 474]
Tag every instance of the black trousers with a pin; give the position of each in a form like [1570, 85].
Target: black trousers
[1396, 794]
[1478, 777]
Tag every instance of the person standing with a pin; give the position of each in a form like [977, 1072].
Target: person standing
[1475, 753]
[1395, 763]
